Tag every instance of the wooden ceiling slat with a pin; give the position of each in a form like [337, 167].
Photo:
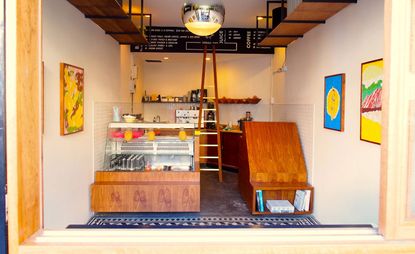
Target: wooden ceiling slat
[98, 11]
[293, 28]
[274, 41]
[305, 11]
[118, 25]
[107, 3]
[112, 10]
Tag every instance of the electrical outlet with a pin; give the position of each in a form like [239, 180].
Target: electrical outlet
[133, 72]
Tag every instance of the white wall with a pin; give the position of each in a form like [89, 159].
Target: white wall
[68, 160]
[346, 170]
[239, 76]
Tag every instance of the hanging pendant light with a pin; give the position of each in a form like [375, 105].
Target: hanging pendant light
[203, 20]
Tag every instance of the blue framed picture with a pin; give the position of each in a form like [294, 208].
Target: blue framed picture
[334, 102]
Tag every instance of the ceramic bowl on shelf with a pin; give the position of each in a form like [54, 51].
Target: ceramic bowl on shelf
[129, 118]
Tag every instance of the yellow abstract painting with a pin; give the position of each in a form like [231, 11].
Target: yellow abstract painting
[72, 99]
[371, 101]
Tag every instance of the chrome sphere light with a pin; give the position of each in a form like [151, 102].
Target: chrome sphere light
[203, 20]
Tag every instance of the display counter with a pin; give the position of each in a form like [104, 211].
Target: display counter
[148, 167]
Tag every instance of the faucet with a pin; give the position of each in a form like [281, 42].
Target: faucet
[156, 119]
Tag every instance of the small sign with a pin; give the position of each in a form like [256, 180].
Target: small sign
[226, 40]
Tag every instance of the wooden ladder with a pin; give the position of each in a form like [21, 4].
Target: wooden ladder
[202, 110]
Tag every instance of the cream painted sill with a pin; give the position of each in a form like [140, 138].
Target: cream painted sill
[204, 236]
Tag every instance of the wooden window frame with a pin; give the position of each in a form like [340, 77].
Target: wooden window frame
[26, 234]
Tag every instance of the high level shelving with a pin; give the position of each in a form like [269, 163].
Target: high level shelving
[307, 15]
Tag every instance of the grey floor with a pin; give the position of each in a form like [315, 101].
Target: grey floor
[221, 199]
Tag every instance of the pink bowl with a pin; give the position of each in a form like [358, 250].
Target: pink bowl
[117, 134]
[137, 134]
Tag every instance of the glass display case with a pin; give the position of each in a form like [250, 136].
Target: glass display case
[148, 167]
[149, 147]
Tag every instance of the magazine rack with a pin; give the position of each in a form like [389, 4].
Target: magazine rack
[272, 161]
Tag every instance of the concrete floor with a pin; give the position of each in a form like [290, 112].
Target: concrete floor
[221, 199]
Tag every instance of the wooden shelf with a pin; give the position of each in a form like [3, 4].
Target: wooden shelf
[281, 186]
[171, 102]
[307, 15]
[281, 191]
[270, 213]
[109, 15]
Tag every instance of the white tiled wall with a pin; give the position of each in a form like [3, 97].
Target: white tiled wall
[303, 116]
[228, 112]
[102, 117]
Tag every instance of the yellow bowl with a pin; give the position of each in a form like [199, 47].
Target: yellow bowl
[129, 119]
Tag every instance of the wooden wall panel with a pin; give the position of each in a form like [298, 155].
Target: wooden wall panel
[148, 191]
[145, 198]
[27, 117]
[275, 158]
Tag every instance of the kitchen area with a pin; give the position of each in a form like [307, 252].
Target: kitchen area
[170, 98]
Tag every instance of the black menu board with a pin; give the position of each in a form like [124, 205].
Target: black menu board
[226, 40]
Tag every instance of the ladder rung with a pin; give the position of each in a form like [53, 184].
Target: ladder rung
[209, 169]
[209, 145]
[209, 109]
[208, 133]
[209, 157]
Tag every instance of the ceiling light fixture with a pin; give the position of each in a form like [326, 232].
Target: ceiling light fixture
[165, 58]
[203, 20]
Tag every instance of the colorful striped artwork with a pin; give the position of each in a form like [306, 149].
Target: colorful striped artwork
[371, 101]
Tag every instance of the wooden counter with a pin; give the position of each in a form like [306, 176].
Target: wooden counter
[152, 191]
[231, 142]
[148, 191]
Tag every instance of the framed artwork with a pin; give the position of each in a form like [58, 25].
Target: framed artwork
[334, 102]
[371, 101]
[71, 99]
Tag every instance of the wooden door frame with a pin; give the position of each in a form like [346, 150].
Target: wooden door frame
[398, 91]
[24, 167]
[23, 137]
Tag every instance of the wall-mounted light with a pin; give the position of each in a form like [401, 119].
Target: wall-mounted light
[203, 20]
[165, 58]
